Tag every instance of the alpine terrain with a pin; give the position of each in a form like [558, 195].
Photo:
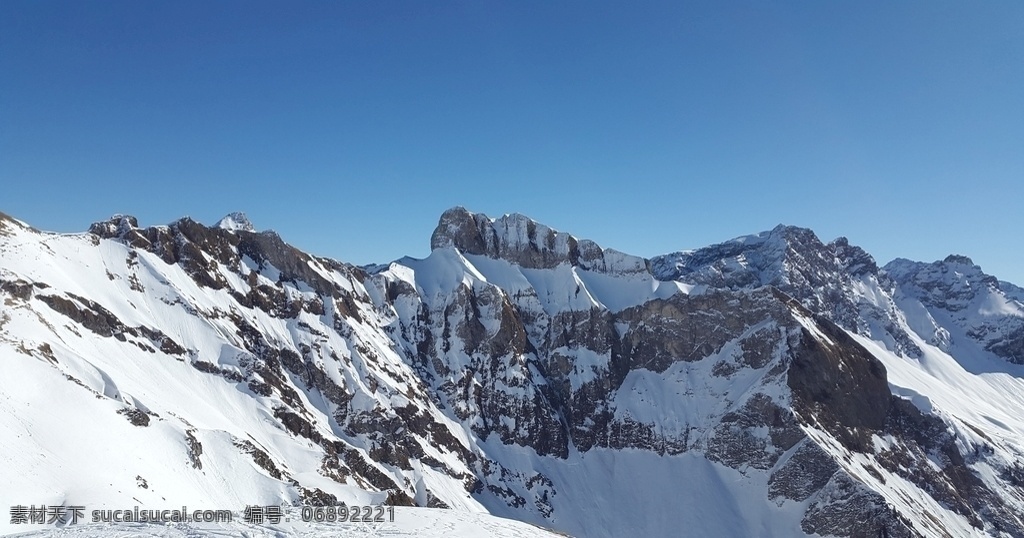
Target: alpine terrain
[773, 385]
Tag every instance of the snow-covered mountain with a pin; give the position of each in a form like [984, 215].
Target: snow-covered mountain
[772, 385]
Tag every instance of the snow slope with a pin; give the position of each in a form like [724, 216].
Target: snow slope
[164, 400]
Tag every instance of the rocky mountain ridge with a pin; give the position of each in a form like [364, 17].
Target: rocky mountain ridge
[788, 385]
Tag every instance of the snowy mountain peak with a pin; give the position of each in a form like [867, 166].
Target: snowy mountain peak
[116, 226]
[957, 259]
[790, 231]
[524, 242]
[784, 256]
[236, 221]
[838, 280]
[953, 269]
[974, 307]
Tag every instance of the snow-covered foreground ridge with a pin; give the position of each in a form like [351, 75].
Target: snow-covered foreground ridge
[772, 385]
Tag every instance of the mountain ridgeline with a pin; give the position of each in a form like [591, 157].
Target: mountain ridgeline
[771, 385]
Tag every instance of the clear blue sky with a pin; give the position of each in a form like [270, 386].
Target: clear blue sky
[649, 127]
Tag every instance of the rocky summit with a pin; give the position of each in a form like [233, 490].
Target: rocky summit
[771, 385]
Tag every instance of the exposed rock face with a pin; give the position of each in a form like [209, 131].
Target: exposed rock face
[806, 472]
[516, 359]
[526, 243]
[841, 384]
[847, 509]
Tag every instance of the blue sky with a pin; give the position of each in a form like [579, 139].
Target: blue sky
[649, 127]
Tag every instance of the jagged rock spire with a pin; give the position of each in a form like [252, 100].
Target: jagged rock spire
[236, 221]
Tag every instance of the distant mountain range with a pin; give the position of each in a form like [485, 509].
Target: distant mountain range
[771, 385]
